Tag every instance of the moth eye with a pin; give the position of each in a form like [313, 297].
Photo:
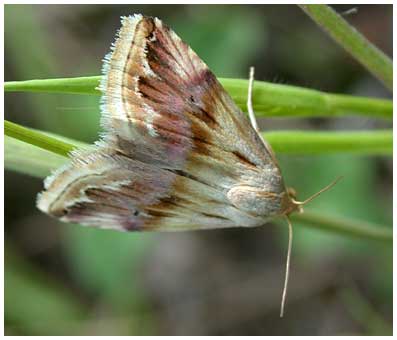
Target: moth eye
[136, 213]
[64, 211]
[192, 99]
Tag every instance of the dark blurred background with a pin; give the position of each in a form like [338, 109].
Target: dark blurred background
[66, 279]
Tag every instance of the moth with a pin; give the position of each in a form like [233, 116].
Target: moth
[176, 152]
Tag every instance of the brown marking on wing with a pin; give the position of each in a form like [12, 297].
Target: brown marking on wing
[169, 89]
[158, 214]
[268, 194]
[181, 201]
[214, 216]
[243, 159]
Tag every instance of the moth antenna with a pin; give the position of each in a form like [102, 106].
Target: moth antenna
[329, 186]
[252, 117]
[249, 100]
[284, 296]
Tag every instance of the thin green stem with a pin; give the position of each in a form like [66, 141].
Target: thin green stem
[76, 85]
[37, 138]
[379, 64]
[379, 142]
[269, 100]
[345, 226]
[275, 100]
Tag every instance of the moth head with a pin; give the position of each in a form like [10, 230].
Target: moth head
[290, 203]
[295, 205]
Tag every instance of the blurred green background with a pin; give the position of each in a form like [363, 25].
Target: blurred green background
[66, 279]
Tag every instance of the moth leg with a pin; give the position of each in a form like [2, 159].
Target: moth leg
[249, 100]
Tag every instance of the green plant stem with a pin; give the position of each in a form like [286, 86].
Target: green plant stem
[379, 142]
[76, 85]
[291, 142]
[380, 65]
[269, 100]
[275, 100]
[37, 138]
[345, 226]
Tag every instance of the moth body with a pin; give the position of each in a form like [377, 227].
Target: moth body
[176, 152]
